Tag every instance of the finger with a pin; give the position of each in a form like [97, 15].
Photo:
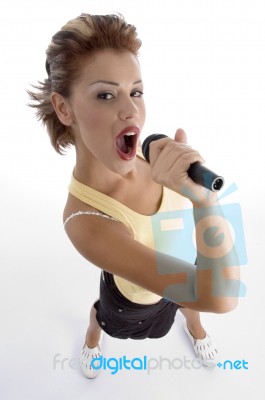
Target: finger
[175, 152]
[180, 136]
[156, 147]
[189, 158]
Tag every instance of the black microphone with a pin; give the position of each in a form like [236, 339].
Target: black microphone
[197, 172]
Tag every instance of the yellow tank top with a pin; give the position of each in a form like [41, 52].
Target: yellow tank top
[141, 226]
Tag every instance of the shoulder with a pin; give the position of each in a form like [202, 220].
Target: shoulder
[87, 229]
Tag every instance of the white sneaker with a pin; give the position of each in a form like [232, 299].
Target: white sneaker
[205, 349]
[86, 359]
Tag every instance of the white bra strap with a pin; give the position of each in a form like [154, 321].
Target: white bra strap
[89, 213]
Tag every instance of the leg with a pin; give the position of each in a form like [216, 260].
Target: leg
[91, 350]
[203, 345]
[93, 331]
[194, 323]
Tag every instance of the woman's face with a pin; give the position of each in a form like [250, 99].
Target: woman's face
[108, 109]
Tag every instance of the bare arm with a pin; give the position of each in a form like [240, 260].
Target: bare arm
[110, 246]
[217, 262]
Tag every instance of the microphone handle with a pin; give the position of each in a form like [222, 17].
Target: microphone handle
[205, 177]
[197, 172]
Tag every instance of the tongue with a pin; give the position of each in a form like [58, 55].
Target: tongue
[122, 145]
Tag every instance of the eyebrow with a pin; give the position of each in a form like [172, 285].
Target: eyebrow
[113, 83]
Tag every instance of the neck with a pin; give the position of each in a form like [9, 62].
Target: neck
[96, 175]
[136, 189]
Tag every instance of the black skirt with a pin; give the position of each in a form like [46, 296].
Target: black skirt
[123, 319]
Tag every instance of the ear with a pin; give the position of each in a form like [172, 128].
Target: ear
[62, 108]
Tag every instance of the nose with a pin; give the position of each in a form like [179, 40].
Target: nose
[128, 109]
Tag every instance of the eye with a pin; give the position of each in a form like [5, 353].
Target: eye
[105, 96]
[137, 93]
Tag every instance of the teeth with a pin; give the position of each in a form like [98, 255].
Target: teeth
[130, 134]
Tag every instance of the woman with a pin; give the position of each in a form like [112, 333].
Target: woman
[93, 99]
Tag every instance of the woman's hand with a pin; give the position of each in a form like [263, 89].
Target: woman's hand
[170, 161]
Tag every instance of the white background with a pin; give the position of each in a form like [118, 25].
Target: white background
[203, 65]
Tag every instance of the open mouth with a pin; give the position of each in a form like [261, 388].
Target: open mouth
[126, 145]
